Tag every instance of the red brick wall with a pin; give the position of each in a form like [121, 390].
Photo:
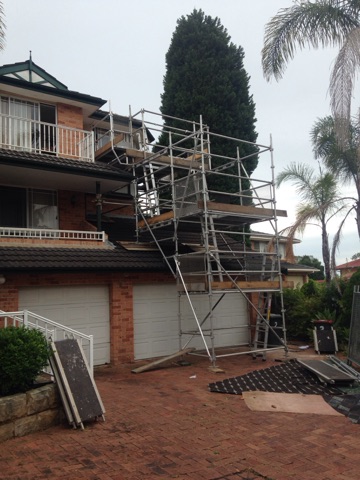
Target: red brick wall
[73, 207]
[70, 116]
[72, 211]
[122, 208]
[120, 300]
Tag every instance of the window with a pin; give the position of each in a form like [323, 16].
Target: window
[21, 128]
[42, 209]
[18, 123]
[28, 208]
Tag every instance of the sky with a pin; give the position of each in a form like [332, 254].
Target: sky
[115, 49]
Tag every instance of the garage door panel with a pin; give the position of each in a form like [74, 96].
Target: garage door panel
[156, 320]
[82, 308]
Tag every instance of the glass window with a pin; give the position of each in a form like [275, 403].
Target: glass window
[19, 123]
[28, 208]
[42, 209]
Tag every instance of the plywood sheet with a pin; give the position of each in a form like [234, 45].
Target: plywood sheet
[288, 403]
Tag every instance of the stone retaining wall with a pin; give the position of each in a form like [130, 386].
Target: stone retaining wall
[29, 412]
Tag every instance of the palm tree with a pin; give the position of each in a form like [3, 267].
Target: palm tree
[320, 203]
[314, 24]
[343, 161]
[2, 27]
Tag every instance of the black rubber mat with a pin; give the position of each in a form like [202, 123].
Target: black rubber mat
[348, 405]
[288, 377]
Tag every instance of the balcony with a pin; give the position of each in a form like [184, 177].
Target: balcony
[33, 136]
[59, 238]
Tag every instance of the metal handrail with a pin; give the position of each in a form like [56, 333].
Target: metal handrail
[51, 330]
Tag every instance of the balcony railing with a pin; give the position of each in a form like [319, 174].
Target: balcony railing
[40, 137]
[44, 233]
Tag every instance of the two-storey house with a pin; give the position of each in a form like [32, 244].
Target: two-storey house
[67, 227]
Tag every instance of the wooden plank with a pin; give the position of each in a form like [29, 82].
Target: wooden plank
[155, 363]
[266, 285]
[287, 402]
[108, 146]
[157, 219]
[163, 159]
[242, 209]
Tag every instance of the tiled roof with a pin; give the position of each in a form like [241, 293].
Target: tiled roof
[297, 267]
[117, 258]
[78, 259]
[55, 163]
[352, 264]
[59, 92]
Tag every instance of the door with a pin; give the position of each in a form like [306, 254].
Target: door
[156, 326]
[84, 308]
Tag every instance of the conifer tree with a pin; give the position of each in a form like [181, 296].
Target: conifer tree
[205, 76]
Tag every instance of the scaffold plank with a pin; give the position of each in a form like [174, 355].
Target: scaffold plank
[165, 159]
[159, 361]
[266, 285]
[157, 219]
[241, 209]
[108, 146]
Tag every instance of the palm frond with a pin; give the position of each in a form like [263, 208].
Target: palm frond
[300, 174]
[336, 241]
[2, 27]
[342, 162]
[309, 23]
[342, 83]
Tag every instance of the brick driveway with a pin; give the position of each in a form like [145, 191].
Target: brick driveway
[165, 424]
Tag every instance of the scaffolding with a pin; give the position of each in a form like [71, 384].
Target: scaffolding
[197, 207]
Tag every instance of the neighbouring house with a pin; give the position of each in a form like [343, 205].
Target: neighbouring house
[348, 269]
[71, 247]
[296, 273]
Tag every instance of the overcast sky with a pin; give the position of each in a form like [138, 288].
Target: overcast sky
[115, 49]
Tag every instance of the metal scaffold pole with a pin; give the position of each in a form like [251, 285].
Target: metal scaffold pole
[202, 228]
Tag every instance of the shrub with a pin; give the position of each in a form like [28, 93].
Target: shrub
[23, 354]
[347, 299]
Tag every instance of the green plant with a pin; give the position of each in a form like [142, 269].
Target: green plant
[347, 299]
[23, 354]
[326, 314]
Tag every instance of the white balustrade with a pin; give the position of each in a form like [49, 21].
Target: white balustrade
[44, 233]
[40, 137]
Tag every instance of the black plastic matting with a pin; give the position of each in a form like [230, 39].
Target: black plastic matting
[348, 405]
[288, 377]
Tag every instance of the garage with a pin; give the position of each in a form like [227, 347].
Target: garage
[156, 320]
[84, 308]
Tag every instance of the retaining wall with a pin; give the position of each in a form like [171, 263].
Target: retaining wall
[30, 412]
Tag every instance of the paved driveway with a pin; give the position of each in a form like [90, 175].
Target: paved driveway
[165, 424]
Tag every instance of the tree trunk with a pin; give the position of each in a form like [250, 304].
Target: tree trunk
[357, 209]
[326, 252]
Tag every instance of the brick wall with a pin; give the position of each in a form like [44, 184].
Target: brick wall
[124, 207]
[120, 300]
[70, 116]
[74, 206]
[72, 211]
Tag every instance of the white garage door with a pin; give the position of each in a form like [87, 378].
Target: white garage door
[84, 308]
[156, 320]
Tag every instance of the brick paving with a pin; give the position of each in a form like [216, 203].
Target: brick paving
[165, 424]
